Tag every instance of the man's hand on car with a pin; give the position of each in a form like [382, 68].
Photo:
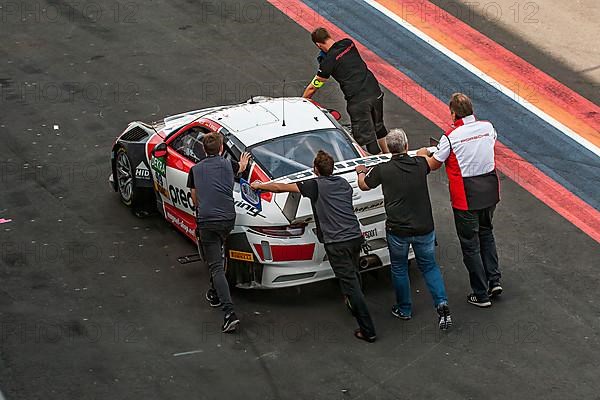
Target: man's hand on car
[423, 152]
[244, 160]
[361, 169]
[256, 185]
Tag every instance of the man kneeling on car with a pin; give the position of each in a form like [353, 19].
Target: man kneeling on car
[338, 229]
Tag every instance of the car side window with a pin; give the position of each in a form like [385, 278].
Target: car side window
[189, 144]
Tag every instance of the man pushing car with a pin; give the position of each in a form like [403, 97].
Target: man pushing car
[338, 228]
[360, 87]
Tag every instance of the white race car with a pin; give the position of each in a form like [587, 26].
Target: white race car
[274, 243]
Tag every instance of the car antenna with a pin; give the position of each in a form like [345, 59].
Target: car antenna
[283, 105]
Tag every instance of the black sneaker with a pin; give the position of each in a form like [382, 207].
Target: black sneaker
[495, 290]
[399, 314]
[360, 335]
[230, 323]
[213, 298]
[472, 298]
[445, 319]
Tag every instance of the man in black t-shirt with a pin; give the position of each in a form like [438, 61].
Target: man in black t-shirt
[338, 229]
[361, 90]
[211, 183]
[409, 223]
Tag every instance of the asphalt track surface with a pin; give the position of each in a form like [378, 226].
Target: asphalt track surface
[94, 305]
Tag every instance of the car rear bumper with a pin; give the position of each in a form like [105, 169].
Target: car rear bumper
[297, 273]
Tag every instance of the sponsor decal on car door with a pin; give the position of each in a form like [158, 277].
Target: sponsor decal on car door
[158, 166]
[177, 170]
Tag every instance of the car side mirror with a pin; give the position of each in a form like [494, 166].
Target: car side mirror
[335, 114]
[160, 150]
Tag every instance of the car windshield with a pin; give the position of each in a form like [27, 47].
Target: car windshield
[295, 153]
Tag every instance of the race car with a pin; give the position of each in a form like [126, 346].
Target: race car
[274, 243]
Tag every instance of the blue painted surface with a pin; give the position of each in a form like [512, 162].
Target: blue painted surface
[554, 153]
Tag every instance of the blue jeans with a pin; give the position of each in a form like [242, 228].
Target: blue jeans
[424, 248]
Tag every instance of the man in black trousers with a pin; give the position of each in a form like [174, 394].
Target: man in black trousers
[211, 182]
[467, 149]
[363, 95]
[338, 229]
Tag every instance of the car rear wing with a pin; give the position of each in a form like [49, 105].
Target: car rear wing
[339, 167]
[289, 203]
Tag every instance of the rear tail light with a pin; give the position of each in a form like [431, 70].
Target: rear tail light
[257, 174]
[266, 196]
[281, 231]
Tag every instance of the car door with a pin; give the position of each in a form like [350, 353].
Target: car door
[183, 152]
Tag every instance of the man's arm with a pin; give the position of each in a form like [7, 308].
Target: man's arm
[194, 200]
[431, 161]
[368, 178]
[275, 187]
[192, 186]
[436, 160]
[361, 171]
[313, 86]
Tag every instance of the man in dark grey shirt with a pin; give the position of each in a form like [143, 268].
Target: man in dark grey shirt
[211, 183]
[338, 229]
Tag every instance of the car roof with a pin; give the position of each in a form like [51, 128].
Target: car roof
[262, 119]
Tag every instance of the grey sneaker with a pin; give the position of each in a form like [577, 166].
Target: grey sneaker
[445, 319]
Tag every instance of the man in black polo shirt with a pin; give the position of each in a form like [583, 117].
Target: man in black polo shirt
[360, 87]
[409, 222]
[338, 228]
[211, 183]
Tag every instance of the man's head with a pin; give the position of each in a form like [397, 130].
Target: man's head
[322, 39]
[213, 143]
[397, 141]
[460, 106]
[323, 164]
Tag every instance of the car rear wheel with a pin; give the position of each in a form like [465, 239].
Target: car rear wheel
[125, 177]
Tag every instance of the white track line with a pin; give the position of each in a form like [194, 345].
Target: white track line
[483, 76]
[187, 353]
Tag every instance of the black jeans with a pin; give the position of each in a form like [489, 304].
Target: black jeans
[476, 235]
[366, 118]
[344, 258]
[211, 242]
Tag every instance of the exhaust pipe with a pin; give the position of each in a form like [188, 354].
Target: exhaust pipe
[369, 261]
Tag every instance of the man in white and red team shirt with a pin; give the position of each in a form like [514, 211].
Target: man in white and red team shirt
[467, 149]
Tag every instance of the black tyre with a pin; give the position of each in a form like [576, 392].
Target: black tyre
[125, 178]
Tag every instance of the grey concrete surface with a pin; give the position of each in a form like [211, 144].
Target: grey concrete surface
[94, 306]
